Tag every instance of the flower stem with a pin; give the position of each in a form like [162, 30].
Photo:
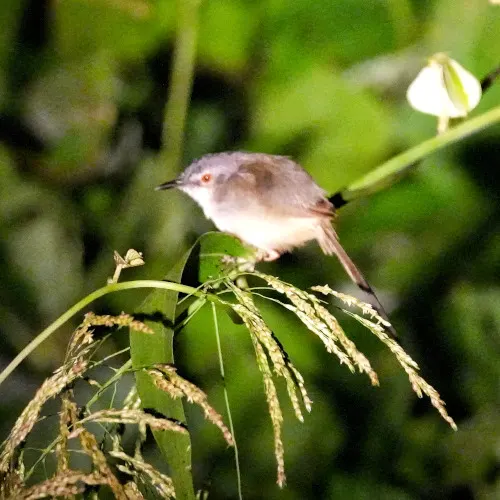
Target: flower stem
[114, 287]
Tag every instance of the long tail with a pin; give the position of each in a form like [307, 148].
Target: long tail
[330, 244]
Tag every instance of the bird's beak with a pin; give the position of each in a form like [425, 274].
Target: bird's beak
[168, 185]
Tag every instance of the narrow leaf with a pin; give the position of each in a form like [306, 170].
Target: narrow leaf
[147, 350]
[218, 251]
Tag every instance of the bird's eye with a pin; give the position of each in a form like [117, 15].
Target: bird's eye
[205, 178]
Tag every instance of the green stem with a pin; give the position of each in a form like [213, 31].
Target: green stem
[181, 82]
[127, 366]
[115, 287]
[226, 399]
[383, 175]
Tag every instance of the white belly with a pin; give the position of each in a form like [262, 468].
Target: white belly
[269, 233]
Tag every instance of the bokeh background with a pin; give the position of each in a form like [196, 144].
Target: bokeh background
[83, 86]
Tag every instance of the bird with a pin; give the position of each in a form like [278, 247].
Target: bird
[269, 202]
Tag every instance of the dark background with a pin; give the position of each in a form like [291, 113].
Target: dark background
[83, 84]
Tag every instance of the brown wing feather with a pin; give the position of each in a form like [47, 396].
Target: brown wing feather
[323, 207]
[280, 179]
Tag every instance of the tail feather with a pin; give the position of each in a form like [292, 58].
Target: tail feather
[330, 244]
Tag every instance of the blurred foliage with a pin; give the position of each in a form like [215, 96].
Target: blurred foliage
[83, 84]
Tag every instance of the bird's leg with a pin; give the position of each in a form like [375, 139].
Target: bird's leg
[267, 255]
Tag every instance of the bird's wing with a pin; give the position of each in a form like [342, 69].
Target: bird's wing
[281, 185]
[323, 208]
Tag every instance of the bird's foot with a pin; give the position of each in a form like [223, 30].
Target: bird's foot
[267, 255]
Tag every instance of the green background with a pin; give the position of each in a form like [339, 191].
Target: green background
[83, 85]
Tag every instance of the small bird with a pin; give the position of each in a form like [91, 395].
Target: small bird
[269, 202]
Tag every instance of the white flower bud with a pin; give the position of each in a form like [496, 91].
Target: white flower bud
[444, 89]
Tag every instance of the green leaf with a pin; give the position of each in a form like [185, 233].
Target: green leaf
[146, 350]
[214, 247]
